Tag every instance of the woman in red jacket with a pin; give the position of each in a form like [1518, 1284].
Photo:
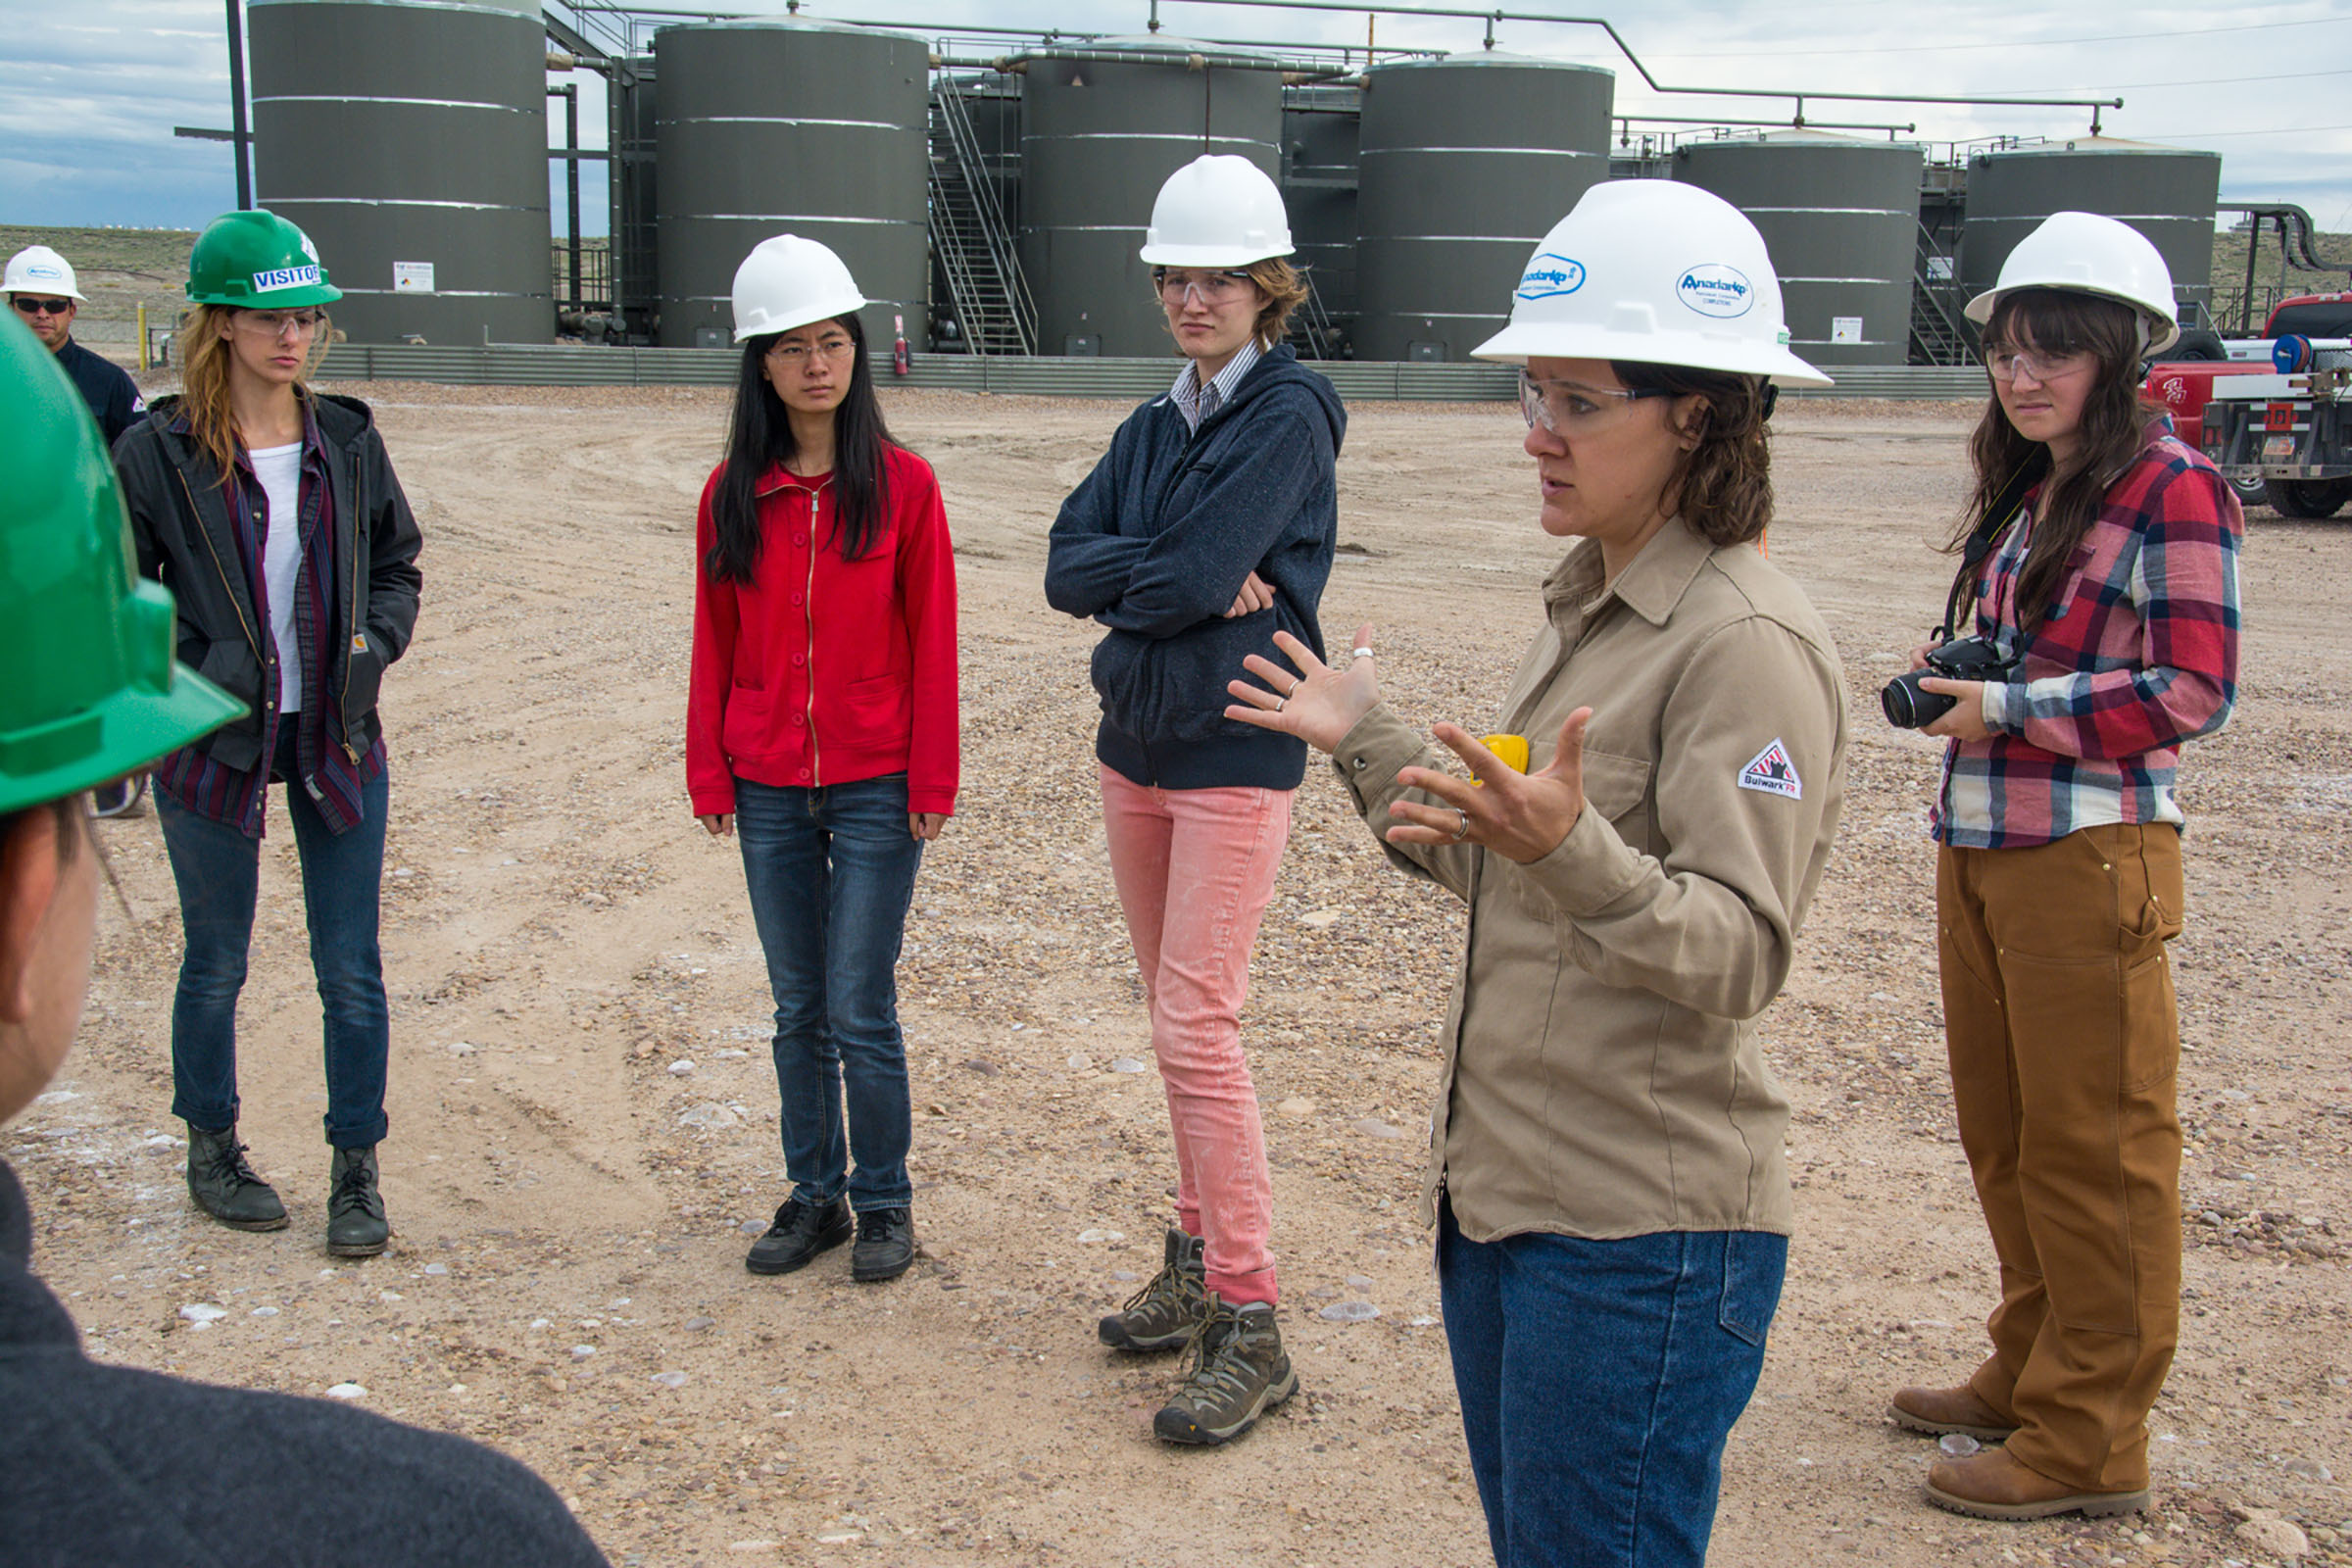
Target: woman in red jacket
[820, 730]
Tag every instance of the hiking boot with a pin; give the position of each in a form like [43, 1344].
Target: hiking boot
[801, 1231]
[1938, 1410]
[1993, 1485]
[1163, 1315]
[225, 1186]
[1239, 1372]
[355, 1226]
[885, 1247]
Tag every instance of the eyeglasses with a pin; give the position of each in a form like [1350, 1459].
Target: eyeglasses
[28, 306]
[1570, 408]
[797, 354]
[278, 324]
[1212, 289]
[2039, 365]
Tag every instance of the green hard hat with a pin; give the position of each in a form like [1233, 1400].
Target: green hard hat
[88, 688]
[258, 259]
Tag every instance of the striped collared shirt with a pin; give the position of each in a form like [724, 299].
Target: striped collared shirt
[2137, 654]
[331, 777]
[1195, 402]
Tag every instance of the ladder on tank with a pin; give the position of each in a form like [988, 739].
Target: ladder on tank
[993, 307]
[1313, 334]
[1939, 333]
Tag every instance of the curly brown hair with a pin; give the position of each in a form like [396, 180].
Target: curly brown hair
[1285, 289]
[1723, 486]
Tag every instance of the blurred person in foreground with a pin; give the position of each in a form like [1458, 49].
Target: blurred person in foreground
[112, 1467]
[2100, 574]
[1606, 1167]
[272, 513]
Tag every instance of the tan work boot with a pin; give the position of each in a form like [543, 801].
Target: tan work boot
[1993, 1486]
[1939, 1410]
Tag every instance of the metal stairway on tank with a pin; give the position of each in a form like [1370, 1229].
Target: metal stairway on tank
[1939, 333]
[993, 307]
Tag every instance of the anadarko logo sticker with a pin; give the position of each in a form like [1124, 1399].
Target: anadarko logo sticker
[1551, 275]
[1714, 289]
[284, 278]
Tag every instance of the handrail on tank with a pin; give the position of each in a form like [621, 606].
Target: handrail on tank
[1491, 18]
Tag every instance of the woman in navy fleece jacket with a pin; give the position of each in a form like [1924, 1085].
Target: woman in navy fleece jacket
[1206, 528]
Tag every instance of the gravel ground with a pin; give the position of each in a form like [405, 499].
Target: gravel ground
[584, 1121]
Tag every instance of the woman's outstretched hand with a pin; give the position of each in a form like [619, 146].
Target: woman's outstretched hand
[1522, 816]
[1317, 703]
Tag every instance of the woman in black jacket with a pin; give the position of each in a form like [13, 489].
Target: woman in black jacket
[272, 514]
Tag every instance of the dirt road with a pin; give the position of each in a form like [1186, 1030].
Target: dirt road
[584, 1118]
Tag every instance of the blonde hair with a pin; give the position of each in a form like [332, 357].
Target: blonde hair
[204, 360]
[1286, 291]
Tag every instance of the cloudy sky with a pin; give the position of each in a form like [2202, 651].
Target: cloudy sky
[90, 90]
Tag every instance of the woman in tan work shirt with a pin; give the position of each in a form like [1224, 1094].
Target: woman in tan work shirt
[1607, 1169]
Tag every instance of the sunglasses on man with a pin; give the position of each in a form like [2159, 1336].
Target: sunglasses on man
[27, 305]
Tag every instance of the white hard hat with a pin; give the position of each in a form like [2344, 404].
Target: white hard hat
[2084, 253]
[39, 270]
[1657, 272]
[1220, 209]
[788, 281]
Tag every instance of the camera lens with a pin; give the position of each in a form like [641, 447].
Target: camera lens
[1907, 706]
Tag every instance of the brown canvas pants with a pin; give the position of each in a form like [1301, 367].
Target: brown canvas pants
[2059, 1016]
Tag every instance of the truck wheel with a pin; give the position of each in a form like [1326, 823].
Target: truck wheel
[2250, 492]
[2307, 497]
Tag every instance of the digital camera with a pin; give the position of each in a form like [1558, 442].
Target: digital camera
[1961, 658]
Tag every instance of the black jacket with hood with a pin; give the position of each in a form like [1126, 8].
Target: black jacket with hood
[1155, 545]
[186, 540]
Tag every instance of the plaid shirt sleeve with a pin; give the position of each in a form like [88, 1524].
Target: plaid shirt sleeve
[2144, 655]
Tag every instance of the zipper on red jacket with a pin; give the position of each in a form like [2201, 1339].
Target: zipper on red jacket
[816, 774]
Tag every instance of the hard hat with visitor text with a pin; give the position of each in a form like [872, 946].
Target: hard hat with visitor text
[39, 270]
[1657, 272]
[90, 690]
[788, 281]
[257, 260]
[1220, 209]
[2086, 253]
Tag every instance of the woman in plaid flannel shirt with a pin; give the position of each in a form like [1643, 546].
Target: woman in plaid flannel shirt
[2113, 592]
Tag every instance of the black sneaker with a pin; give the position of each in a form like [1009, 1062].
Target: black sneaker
[801, 1231]
[1239, 1372]
[885, 1247]
[225, 1186]
[355, 1226]
[1163, 1315]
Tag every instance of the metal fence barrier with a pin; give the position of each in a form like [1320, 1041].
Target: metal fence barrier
[558, 365]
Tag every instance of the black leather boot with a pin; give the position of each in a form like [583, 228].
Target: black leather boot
[225, 1186]
[355, 1226]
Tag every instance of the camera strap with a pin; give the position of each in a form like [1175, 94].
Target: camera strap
[2006, 505]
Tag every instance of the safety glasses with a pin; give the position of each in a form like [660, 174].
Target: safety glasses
[1570, 408]
[28, 306]
[2036, 364]
[1212, 289]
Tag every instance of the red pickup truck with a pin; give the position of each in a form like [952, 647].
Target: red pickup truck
[2185, 387]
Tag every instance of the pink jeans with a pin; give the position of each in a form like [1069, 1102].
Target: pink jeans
[1195, 870]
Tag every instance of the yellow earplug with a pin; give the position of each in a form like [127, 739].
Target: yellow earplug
[1511, 749]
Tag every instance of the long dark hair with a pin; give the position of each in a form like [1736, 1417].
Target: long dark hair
[1725, 482]
[2113, 431]
[760, 436]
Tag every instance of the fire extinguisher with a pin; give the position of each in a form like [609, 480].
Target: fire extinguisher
[900, 361]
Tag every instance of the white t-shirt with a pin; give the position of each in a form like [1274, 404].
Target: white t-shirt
[279, 468]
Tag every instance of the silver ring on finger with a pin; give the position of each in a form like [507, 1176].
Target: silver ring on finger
[1462, 832]
[1279, 701]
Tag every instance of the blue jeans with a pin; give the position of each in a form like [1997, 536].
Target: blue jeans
[1599, 1380]
[831, 871]
[218, 870]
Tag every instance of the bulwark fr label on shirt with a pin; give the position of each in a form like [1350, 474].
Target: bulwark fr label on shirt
[1771, 772]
